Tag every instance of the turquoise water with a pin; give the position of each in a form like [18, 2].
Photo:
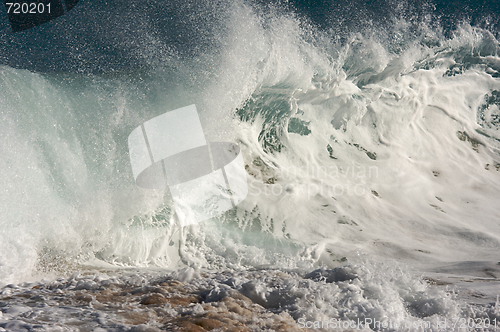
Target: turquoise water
[364, 143]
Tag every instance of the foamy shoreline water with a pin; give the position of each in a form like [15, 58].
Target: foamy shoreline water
[346, 298]
[134, 303]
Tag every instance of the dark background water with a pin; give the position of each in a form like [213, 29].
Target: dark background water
[104, 36]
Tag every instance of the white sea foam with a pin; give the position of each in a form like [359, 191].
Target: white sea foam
[351, 150]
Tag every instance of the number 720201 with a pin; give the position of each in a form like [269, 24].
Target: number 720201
[27, 8]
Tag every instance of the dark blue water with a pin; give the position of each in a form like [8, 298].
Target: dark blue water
[106, 36]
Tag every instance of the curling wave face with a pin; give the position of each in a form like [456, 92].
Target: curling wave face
[382, 143]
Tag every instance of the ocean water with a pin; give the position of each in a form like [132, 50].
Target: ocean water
[371, 139]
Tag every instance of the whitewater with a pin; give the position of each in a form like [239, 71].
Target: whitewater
[372, 160]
